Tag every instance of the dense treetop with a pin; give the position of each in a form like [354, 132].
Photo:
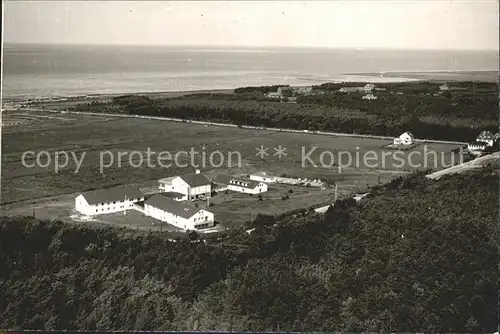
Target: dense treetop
[415, 255]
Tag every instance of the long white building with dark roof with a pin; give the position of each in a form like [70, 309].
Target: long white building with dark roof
[176, 213]
[108, 200]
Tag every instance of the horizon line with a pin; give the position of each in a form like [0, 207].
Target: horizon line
[358, 48]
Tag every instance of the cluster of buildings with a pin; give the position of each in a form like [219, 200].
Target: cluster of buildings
[367, 89]
[289, 93]
[172, 203]
[483, 141]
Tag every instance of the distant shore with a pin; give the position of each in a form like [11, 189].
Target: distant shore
[485, 76]
[381, 77]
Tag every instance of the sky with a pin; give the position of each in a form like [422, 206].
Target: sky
[425, 24]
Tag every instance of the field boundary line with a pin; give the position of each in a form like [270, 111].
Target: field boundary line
[182, 120]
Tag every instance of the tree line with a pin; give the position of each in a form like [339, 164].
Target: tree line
[457, 115]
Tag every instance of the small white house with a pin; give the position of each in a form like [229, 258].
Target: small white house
[97, 202]
[263, 177]
[486, 137]
[405, 139]
[179, 214]
[192, 186]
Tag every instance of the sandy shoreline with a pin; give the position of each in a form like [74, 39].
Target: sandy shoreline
[381, 77]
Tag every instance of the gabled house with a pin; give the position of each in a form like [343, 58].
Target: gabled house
[109, 200]
[176, 213]
[406, 138]
[486, 137]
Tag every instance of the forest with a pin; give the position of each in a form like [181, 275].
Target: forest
[456, 115]
[415, 255]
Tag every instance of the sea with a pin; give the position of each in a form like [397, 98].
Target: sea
[40, 71]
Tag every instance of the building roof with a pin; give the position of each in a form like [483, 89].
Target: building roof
[111, 194]
[177, 208]
[228, 179]
[486, 135]
[171, 194]
[408, 133]
[195, 180]
[249, 184]
[223, 179]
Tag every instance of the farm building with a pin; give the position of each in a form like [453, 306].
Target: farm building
[263, 177]
[486, 137]
[405, 139]
[108, 200]
[179, 214]
[192, 186]
[242, 186]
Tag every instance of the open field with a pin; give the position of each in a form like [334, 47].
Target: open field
[86, 138]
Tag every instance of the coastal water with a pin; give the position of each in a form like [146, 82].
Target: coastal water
[31, 71]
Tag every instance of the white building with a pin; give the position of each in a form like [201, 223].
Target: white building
[97, 202]
[192, 186]
[369, 97]
[486, 137]
[405, 139]
[444, 87]
[477, 146]
[274, 95]
[179, 214]
[239, 185]
[263, 177]
[247, 186]
[165, 184]
[368, 87]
